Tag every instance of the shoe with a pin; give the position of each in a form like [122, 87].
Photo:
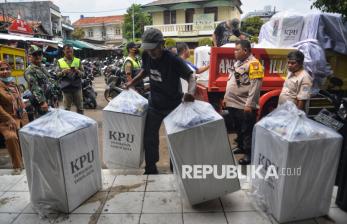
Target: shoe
[245, 160]
[151, 171]
[238, 150]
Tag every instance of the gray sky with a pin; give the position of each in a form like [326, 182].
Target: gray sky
[74, 8]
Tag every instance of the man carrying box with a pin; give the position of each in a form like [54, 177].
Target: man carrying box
[165, 71]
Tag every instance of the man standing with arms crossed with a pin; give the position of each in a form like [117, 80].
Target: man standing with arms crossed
[242, 96]
[164, 70]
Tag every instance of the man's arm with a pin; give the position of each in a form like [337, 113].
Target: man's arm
[304, 93]
[81, 70]
[253, 94]
[136, 80]
[35, 89]
[128, 70]
[301, 104]
[202, 69]
[214, 39]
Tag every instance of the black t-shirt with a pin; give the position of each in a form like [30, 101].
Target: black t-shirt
[223, 33]
[165, 74]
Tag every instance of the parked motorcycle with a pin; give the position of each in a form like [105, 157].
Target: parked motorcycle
[89, 94]
[337, 119]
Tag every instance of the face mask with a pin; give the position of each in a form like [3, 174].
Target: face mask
[7, 79]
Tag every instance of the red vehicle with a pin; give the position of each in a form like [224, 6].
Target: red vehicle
[274, 61]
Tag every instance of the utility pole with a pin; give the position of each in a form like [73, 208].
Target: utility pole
[133, 21]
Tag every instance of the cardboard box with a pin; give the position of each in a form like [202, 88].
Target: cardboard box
[305, 155]
[203, 144]
[61, 158]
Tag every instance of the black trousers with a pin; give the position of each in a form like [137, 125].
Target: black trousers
[244, 124]
[151, 136]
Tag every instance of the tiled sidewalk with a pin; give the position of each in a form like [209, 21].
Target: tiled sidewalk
[133, 199]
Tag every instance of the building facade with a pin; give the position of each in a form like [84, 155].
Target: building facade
[264, 14]
[104, 30]
[191, 20]
[45, 12]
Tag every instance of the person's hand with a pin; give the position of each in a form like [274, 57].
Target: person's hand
[128, 85]
[248, 109]
[188, 97]
[66, 71]
[12, 124]
[44, 107]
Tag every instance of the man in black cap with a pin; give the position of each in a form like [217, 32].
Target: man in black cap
[165, 71]
[225, 30]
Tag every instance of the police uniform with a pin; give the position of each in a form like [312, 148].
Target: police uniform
[243, 89]
[71, 84]
[296, 87]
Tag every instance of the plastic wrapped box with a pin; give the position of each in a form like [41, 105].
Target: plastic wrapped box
[124, 123]
[305, 155]
[197, 135]
[61, 157]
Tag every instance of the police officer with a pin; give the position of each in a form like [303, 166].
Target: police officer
[70, 72]
[164, 70]
[242, 96]
[131, 64]
[38, 80]
[297, 87]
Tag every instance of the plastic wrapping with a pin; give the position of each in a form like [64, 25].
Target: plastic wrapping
[328, 29]
[129, 102]
[123, 127]
[61, 157]
[305, 155]
[188, 115]
[315, 62]
[283, 30]
[287, 28]
[203, 144]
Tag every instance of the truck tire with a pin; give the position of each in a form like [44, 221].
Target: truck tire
[269, 106]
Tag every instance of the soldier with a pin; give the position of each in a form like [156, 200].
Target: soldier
[297, 87]
[242, 96]
[37, 78]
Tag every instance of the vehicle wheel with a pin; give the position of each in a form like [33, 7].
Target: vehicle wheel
[269, 106]
[92, 104]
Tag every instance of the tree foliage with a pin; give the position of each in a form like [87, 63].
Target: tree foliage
[333, 6]
[141, 18]
[78, 33]
[169, 42]
[205, 42]
[252, 26]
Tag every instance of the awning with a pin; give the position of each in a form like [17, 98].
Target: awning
[184, 6]
[24, 38]
[154, 9]
[218, 3]
[85, 45]
[67, 27]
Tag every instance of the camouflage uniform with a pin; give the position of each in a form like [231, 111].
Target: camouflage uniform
[38, 82]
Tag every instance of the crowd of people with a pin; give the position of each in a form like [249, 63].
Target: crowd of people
[165, 68]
